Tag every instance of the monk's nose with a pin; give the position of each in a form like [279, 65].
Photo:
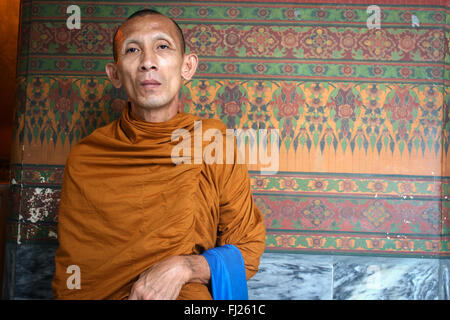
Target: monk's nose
[148, 62]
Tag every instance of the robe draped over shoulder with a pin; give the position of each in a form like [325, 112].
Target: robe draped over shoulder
[125, 205]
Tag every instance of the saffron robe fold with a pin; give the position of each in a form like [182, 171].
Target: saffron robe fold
[125, 206]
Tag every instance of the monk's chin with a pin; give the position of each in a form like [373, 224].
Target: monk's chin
[152, 103]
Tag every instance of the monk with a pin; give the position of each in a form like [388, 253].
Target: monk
[132, 222]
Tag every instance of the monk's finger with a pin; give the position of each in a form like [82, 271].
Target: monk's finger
[134, 294]
[132, 297]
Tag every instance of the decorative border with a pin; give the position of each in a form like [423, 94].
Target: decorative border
[262, 40]
[289, 53]
[392, 14]
[353, 215]
[394, 119]
[363, 245]
[335, 184]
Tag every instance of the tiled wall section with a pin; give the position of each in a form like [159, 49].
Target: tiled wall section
[281, 277]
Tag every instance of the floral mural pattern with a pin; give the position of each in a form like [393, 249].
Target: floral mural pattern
[352, 106]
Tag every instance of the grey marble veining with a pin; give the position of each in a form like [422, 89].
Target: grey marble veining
[8, 271]
[305, 277]
[283, 276]
[32, 272]
[376, 278]
[444, 279]
[291, 277]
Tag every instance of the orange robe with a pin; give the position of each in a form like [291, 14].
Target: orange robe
[126, 206]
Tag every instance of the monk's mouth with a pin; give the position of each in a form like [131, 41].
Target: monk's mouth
[150, 84]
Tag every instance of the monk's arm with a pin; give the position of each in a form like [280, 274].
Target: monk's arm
[241, 222]
[165, 279]
[197, 268]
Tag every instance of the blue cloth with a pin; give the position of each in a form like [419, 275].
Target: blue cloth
[228, 280]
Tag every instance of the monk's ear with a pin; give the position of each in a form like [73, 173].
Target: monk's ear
[113, 74]
[189, 67]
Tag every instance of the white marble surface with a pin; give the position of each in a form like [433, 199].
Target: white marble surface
[307, 277]
[385, 279]
[292, 277]
[444, 279]
[282, 276]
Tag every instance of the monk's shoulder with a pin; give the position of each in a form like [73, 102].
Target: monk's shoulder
[87, 144]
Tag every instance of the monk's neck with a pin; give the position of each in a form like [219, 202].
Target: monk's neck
[155, 114]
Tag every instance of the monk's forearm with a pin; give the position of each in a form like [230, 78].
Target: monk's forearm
[197, 268]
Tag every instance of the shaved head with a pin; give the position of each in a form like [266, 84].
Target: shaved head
[119, 36]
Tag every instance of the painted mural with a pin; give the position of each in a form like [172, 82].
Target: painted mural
[362, 112]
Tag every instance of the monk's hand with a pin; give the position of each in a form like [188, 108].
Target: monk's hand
[164, 280]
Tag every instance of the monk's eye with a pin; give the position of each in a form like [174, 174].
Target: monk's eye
[131, 50]
[163, 46]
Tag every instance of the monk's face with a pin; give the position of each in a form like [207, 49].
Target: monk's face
[150, 61]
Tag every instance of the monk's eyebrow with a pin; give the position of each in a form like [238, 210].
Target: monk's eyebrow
[128, 41]
[165, 37]
[156, 37]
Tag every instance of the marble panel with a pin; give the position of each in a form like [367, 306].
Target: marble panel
[34, 270]
[292, 277]
[444, 279]
[8, 271]
[282, 276]
[379, 278]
